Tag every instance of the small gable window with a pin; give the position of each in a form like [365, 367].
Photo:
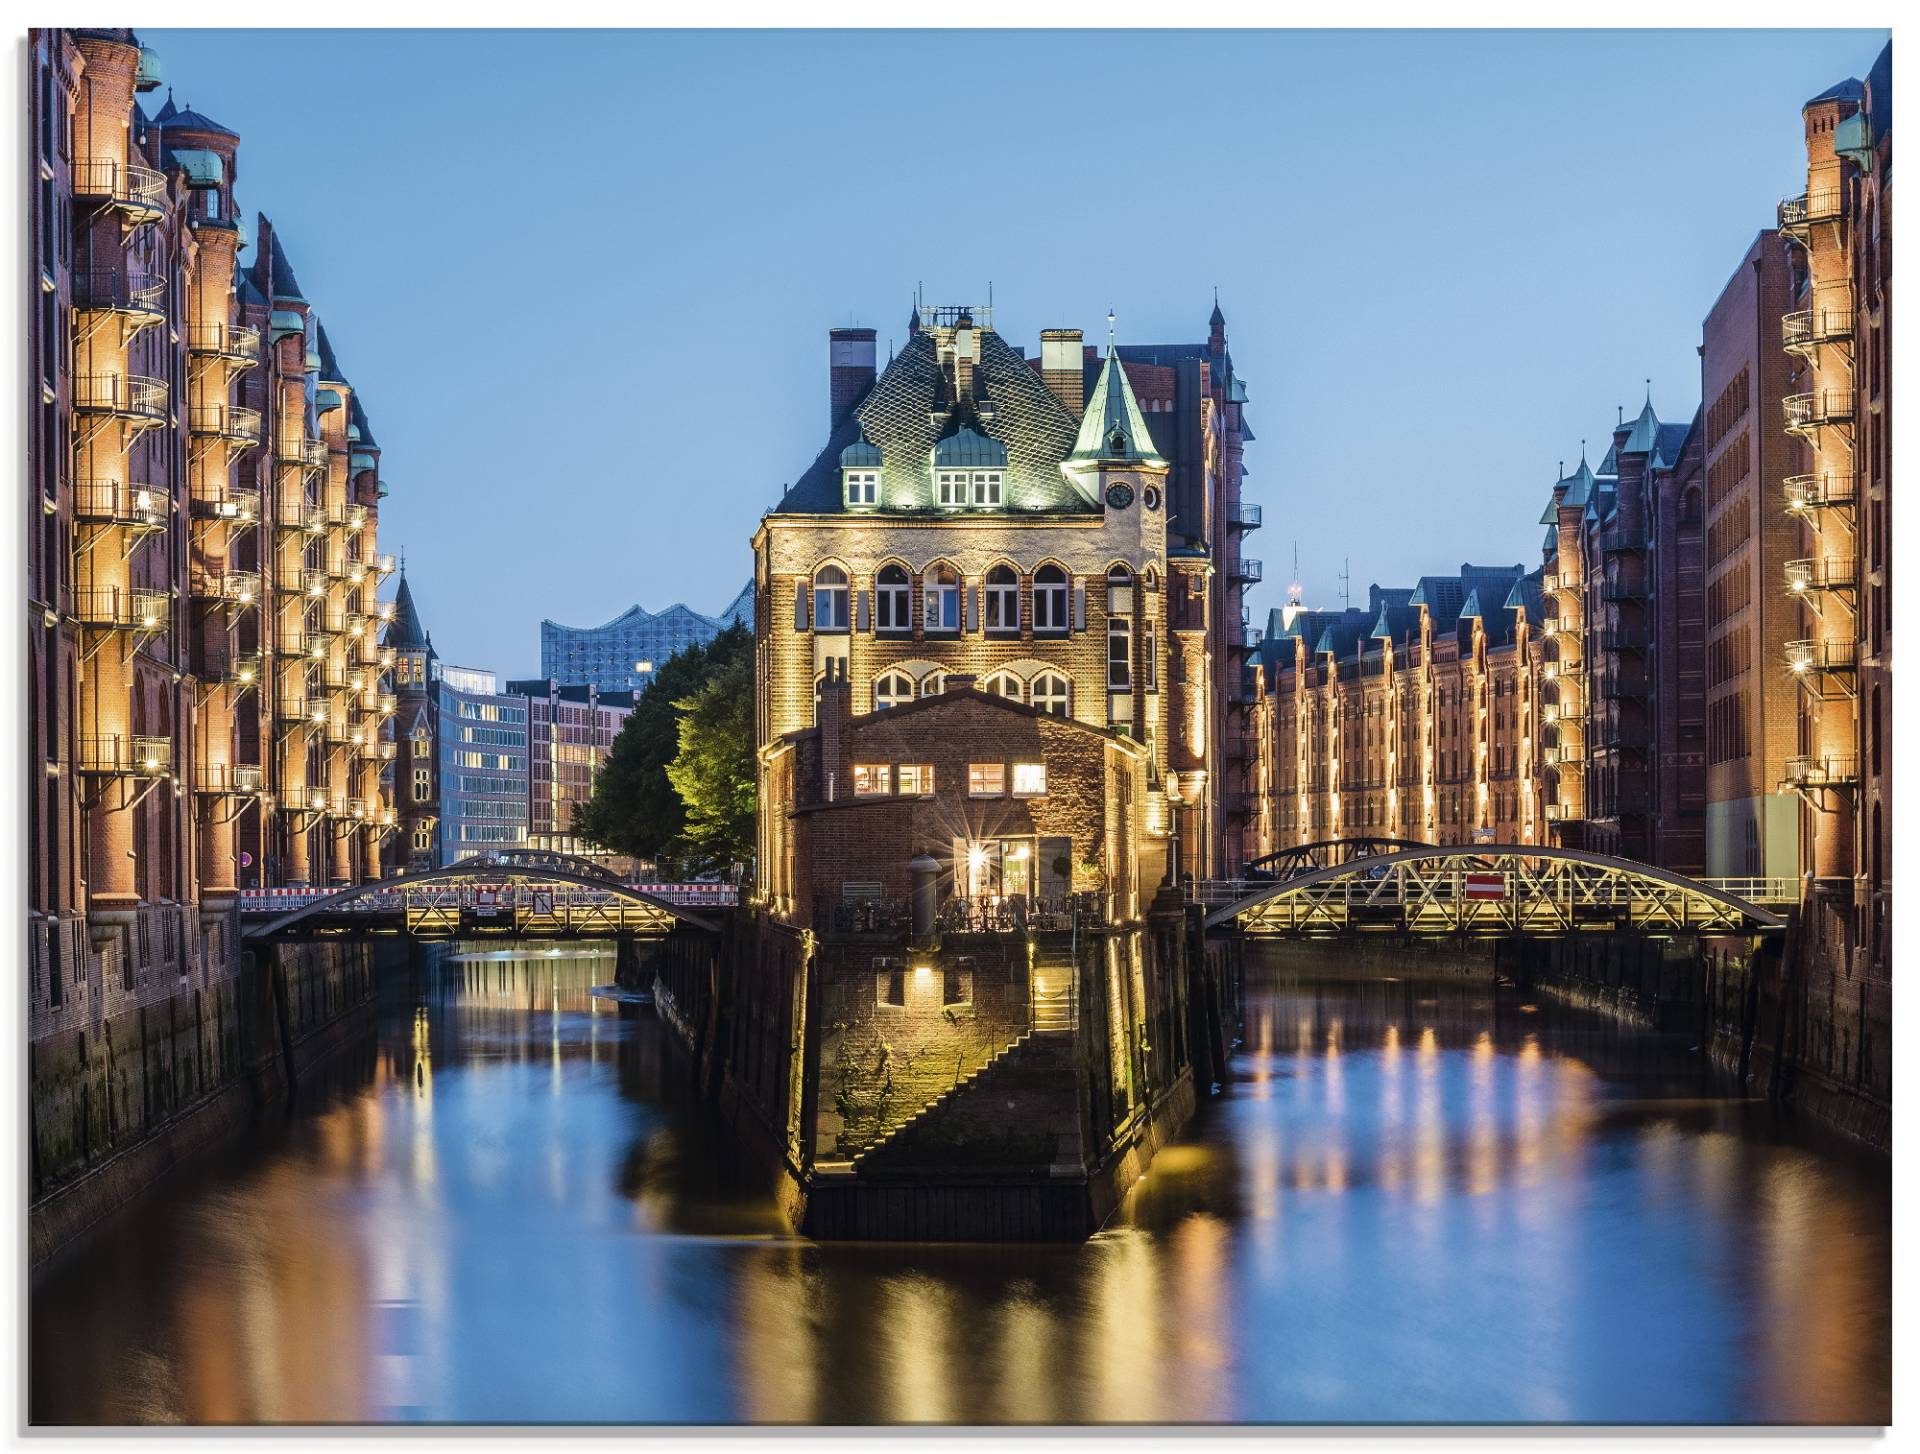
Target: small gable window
[891, 690]
[863, 487]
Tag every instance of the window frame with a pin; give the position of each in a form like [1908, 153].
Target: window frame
[862, 487]
[987, 488]
[1043, 681]
[825, 592]
[893, 601]
[893, 675]
[941, 586]
[922, 777]
[872, 780]
[1052, 599]
[997, 594]
[986, 780]
[1030, 769]
[1119, 653]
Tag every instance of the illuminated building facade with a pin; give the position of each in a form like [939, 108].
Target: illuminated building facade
[973, 516]
[624, 653]
[1839, 331]
[207, 701]
[1418, 717]
[570, 731]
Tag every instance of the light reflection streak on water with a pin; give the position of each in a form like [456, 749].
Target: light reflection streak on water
[1407, 1208]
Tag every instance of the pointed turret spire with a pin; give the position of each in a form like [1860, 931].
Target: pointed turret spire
[1113, 426]
[405, 631]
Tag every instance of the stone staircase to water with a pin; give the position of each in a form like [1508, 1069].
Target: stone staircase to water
[1018, 1111]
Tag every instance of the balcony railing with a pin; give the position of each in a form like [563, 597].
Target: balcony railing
[1818, 492]
[306, 581]
[1834, 655]
[1804, 331]
[1623, 540]
[229, 779]
[1243, 515]
[385, 564]
[120, 502]
[239, 670]
[1246, 570]
[1797, 215]
[1809, 413]
[305, 454]
[234, 342]
[1821, 573]
[118, 755]
[133, 292]
[133, 397]
[1623, 638]
[296, 512]
[234, 423]
[304, 799]
[1823, 770]
[233, 505]
[116, 609]
[140, 191]
[235, 587]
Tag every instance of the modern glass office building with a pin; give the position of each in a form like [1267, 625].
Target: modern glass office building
[624, 653]
[484, 779]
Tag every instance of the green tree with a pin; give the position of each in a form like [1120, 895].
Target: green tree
[713, 770]
[635, 809]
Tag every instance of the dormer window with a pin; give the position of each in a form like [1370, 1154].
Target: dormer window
[860, 473]
[969, 469]
[863, 487]
[953, 487]
[986, 487]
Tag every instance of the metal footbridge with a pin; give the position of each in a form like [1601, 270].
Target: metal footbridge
[1488, 890]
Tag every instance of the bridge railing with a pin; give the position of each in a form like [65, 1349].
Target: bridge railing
[466, 895]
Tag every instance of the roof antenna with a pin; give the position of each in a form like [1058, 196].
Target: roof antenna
[1346, 582]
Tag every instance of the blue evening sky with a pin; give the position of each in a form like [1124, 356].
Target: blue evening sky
[583, 279]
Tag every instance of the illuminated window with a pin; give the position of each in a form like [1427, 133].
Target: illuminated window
[891, 597]
[1029, 779]
[953, 487]
[1150, 667]
[423, 784]
[830, 599]
[986, 487]
[1119, 654]
[943, 599]
[933, 684]
[891, 690]
[872, 779]
[1003, 599]
[1049, 599]
[1005, 684]
[863, 487]
[986, 780]
[915, 777]
[423, 836]
[1052, 694]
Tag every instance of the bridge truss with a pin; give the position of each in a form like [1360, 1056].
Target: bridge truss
[1490, 890]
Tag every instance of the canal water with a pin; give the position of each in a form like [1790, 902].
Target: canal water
[1419, 1201]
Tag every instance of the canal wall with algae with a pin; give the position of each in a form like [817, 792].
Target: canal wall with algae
[116, 1102]
[999, 1086]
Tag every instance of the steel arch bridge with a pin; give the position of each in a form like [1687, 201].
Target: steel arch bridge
[484, 896]
[1286, 863]
[1491, 890]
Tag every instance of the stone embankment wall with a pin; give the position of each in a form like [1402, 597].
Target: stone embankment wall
[184, 1062]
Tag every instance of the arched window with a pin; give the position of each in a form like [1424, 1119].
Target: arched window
[1052, 694]
[1120, 590]
[829, 599]
[1005, 684]
[933, 684]
[891, 598]
[891, 690]
[1050, 599]
[943, 598]
[1003, 599]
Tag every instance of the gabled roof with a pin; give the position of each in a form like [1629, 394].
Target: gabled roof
[329, 365]
[1668, 441]
[1847, 90]
[1113, 426]
[911, 407]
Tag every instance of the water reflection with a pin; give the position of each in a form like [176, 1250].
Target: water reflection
[1420, 1202]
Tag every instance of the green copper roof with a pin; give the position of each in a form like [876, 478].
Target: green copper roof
[1552, 542]
[284, 323]
[150, 75]
[1645, 433]
[862, 454]
[313, 361]
[325, 399]
[353, 433]
[967, 447]
[1113, 426]
[203, 168]
[358, 462]
[1579, 485]
[1471, 606]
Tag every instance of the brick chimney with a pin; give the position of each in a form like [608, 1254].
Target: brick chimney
[836, 707]
[1061, 356]
[851, 354]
